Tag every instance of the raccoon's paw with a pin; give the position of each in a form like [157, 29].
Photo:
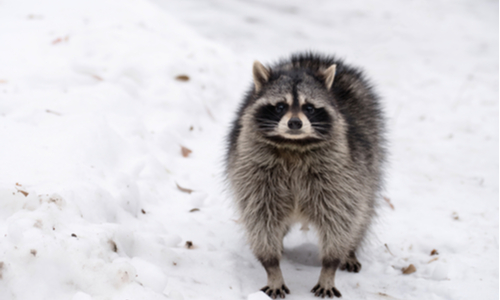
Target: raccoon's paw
[351, 265]
[321, 291]
[276, 292]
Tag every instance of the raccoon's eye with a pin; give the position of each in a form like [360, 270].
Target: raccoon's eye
[280, 107]
[309, 108]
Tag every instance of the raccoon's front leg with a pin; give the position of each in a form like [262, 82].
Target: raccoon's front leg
[275, 284]
[326, 283]
[266, 241]
[266, 227]
[334, 245]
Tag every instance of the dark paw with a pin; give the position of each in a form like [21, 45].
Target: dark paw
[275, 293]
[351, 266]
[322, 292]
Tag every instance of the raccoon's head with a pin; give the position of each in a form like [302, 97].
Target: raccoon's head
[292, 107]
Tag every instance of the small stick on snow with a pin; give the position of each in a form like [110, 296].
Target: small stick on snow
[434, 259]
[387, 247]
[389, 202]
[210, 113]
[185, 190]
[386, 296]
[52, 112]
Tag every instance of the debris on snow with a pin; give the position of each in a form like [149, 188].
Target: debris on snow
[114, 248]
[389, 202]
[52, 112]
[185, 190]
[388, 250]
[433, 259]
[185, 151]
[182, 78]
[409, 270]
[21, 189]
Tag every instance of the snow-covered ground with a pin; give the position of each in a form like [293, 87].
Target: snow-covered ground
[97, 200]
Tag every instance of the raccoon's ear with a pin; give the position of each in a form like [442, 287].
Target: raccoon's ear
[260, 75]
[328, 76]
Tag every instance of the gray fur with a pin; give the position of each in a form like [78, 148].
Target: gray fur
[330, 181]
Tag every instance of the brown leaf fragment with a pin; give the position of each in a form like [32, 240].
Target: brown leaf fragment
[18, 184]
[410, 269]
[454, 215]
[60, 39]
[23, 192]
[57, 41]
[189, 245]
[185, 151]
[434, 252]
[194, 210]
[389, 202]
[143, 211]
[33, 252]
[182, 77]
[185, 190]
[97, 77]
[73, 235]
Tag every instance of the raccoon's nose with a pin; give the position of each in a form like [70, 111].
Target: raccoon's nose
[294, 123]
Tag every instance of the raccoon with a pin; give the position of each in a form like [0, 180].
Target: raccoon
[307, 146]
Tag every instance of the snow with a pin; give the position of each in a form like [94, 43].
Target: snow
[93, 119]
[258, 296]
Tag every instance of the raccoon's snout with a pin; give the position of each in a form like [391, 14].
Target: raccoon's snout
[294, 123]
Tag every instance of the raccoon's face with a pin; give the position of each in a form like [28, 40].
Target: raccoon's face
[294, 108]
